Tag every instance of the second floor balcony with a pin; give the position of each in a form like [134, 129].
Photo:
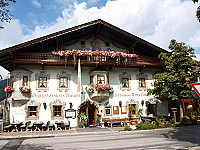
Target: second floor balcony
[88, 61]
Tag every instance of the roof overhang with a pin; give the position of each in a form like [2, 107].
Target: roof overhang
[96, 28]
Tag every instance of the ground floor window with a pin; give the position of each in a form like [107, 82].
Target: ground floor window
[151, 109]
[32, 111]
[57, 111]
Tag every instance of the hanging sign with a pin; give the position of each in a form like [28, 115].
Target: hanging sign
[70, 113]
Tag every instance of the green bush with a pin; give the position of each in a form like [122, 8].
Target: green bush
[0, 127]
[186, 121]
[127, 128]
[145, 125]
[194, 122]
[158, 122]
[176, 124]
[172, 121]
[165, 122]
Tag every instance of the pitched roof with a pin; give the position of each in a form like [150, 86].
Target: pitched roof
[97, 27]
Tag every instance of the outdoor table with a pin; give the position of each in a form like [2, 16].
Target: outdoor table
[59, 125]
[38, 126]
[15, 126]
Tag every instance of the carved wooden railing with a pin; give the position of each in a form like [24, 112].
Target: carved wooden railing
[50, 58]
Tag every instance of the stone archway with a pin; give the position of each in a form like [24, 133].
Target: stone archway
[91, 110]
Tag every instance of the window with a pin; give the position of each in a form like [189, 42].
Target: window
[108, 110]
[100, 79]
[32, 111]
[63, 82]
[25, 81]
[152, 109]
[125, 83]
[57, 111]
[142, 83]
[42, 82]
[125, 79]
[91, 79]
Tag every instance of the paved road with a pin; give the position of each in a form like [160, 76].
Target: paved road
[179, 138]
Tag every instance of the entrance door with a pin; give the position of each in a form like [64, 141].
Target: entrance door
[91, 111]
[91, 114]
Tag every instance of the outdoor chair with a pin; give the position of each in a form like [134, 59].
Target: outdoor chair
[66, 125]
[45, 126]
[24, 126]
[30, 127]
[7, 127]
[51, 126]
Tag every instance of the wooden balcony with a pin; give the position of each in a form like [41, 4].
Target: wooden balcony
[89, 61]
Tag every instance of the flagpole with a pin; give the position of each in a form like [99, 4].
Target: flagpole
[79, 76]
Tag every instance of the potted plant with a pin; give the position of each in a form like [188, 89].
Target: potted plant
[25, 89]
[131, 110]
[9, 89]
[98, 120]
[83, 120]
[140, 113]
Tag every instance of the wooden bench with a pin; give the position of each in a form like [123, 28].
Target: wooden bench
[115, 121]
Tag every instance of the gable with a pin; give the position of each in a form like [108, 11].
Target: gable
[97, 31]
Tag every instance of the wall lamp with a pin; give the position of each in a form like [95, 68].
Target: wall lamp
[45, 105]
[120, 103]
[142, 103]
[70, 104]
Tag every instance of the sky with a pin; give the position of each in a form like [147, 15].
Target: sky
[157, 21]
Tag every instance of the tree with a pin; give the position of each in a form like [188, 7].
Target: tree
[4, 12]
[198, 10]
[178, 73]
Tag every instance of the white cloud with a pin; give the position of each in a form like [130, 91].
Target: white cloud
[36, 3]
[4, 73]
[11, 34]
[153, 20]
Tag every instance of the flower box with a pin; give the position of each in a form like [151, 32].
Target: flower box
[9, 89]
[25, 89]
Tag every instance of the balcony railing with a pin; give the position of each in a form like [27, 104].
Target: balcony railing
[51, 59]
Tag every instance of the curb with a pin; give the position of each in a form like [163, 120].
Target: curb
[55, 134]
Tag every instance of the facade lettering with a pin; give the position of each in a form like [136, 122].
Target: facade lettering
[34, 95]
[130, 94]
